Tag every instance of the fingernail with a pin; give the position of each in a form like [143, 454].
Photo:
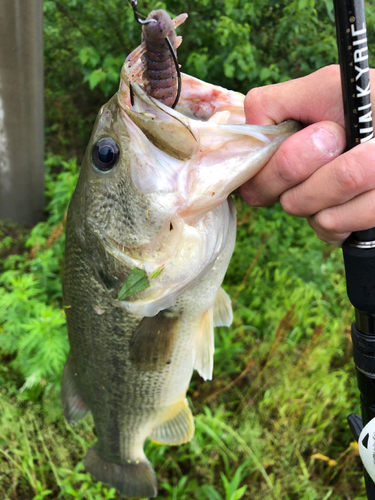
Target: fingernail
[325, 141]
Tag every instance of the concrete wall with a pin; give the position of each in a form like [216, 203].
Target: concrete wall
[21, 111]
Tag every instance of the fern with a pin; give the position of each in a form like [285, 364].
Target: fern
[32, 320]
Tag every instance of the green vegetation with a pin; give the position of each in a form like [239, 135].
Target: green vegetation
[136, 282]
[272, 423]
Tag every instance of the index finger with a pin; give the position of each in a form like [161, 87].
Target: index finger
[313, 98]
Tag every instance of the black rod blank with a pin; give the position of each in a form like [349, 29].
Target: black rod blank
[354, 66]
[359, 249]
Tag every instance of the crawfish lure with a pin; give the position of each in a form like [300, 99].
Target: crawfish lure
[159, 71]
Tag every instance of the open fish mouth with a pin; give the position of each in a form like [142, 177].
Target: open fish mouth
[199, 100]
[203, 145]
[206, 118]
[203, 109]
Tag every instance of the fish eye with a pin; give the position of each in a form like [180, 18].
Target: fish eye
[105, 154]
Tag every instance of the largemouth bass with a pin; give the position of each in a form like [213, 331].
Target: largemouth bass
[152, 195]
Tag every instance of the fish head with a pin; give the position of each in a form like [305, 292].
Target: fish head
[106, 211]
[151, 176]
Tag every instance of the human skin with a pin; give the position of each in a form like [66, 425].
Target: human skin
[311, 174]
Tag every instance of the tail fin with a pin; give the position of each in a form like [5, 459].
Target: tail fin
[133, 479]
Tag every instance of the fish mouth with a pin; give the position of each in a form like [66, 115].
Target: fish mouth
[121, 252]
[166, 128]
[176, 131]
[148, 258]
[199, 100]
[204, 112]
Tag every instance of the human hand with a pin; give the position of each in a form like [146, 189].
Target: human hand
[308, 173]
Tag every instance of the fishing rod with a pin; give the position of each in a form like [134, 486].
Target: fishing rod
[359, 248]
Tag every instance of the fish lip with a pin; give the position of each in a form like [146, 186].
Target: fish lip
[116, 249]
[113, 242]
[154, 103]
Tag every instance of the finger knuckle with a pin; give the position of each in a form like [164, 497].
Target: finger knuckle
[290, 204]
[288, 165]
[330, 72]
[256, 98]
[349, 174]
[325, 222]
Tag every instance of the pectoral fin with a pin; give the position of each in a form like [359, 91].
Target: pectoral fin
[152, 344]
[178, 429]
[204, 346]
[223, 314]
[73, 402]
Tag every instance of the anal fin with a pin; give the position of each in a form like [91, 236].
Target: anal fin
[176, 430]
[205, 346]
[223, 314]
[73, 402]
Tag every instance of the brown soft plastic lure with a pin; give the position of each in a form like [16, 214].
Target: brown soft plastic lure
[161, 73]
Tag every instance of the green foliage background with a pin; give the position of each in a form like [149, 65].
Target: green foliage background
[272, 423]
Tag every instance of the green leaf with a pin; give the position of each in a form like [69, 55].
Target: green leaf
[239, 493]
[136, 282]
[156, 273]
[211, 492]
[96, 77]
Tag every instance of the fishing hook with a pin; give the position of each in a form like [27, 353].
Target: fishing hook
[136, 14]
[178, 72]
[178, 76]
[131, 94]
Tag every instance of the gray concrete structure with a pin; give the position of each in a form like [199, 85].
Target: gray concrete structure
[21, 111]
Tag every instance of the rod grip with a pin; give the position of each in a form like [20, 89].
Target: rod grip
[360, 275]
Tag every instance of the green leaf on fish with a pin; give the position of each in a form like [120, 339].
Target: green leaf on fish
[136, 282]
[156, 273]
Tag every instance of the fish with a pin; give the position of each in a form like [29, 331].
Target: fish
[153, 197]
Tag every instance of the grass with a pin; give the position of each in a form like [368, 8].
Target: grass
[272, 423]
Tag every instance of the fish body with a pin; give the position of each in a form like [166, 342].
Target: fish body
[153, 194]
